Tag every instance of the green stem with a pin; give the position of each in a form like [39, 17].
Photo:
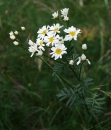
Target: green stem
[80, 71]
[72, 69]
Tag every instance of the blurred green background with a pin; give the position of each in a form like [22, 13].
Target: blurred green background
[27, 88]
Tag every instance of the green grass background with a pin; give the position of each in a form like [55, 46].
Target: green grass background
[28, 96]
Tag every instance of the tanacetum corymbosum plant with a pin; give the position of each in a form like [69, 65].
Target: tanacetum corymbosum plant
[60, 39]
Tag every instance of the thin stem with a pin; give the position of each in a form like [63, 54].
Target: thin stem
[80, 71]
[69, 46]
[72, 69]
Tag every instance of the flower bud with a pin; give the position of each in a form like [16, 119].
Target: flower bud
[23, 28]
[83, 57]
[16, 32]
[84, 46]
[12, 37]
[16, 43]
[66, 18]
[55, 15]
[71, 62]
[11, 33]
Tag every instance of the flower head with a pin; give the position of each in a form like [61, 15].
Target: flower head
[12, 37]
[84, 46]
[32, 48]
[51, 39]
[71, 62]
[83, 58]
[55, 28]
[72, 33]
[64, 12]
[55, 15]
[42, 32]
[11, 33]
[40, 44]
[23, 28]
[16, 43]
[66, 18]
[16, 32]
[58, 51]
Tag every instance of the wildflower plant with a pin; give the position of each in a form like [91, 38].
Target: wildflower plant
[60, 39]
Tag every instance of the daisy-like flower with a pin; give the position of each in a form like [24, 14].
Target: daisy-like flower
[51, 39]
[42, 32]
[58, 51]
[32, 48]
[55, 15]
[55, 28]
[83, 58]
[64, 12]
[72, 33]
[40, 44]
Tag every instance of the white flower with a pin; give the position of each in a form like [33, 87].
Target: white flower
[66, 18]
[71, 62]
[23, 28]
[51, 39]
[31, 43]
[11, 33]
[55, 28]
[16, 32]
[16, 43]
[58, 51]
[61, 40]
[72, 33]
[40, 53]
[64, 12]
[32, 48]
[12, 37]
[55, 15]
[83, 58]
[42, 32]
[84, 46]
[39, 43]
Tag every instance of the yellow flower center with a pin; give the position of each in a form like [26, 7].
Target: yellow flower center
[58, 51]
[56, 29]
[44, 32]
[41, 43]
[51, 39]
[72, 33]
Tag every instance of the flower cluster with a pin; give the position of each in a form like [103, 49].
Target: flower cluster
[50, 37]
[64, 13]
[83, 56]
[13, 36]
